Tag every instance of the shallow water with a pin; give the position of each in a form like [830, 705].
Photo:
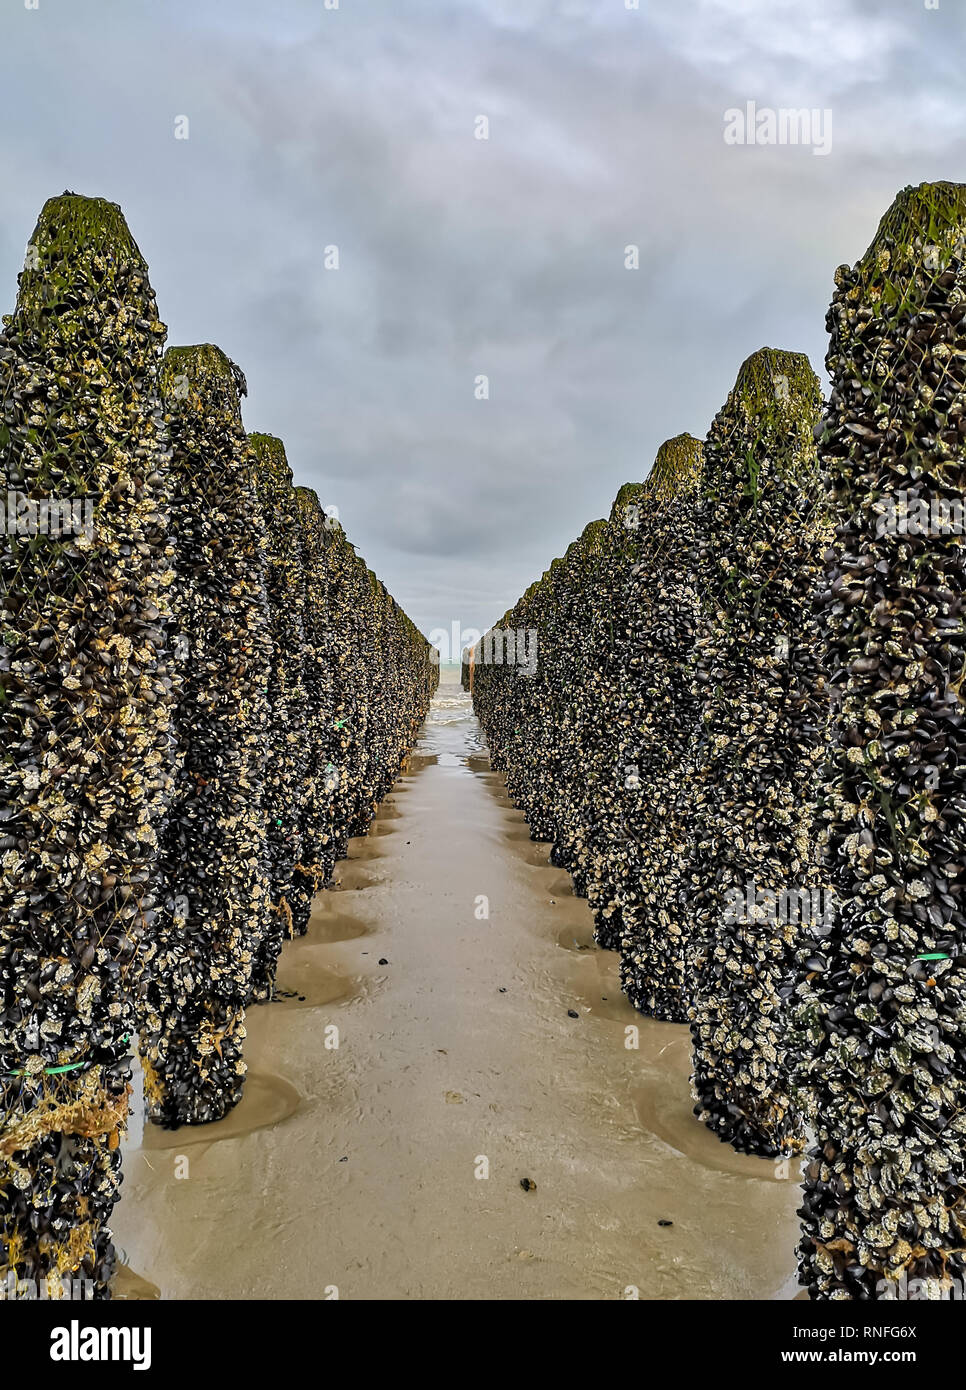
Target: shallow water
[395, 1109]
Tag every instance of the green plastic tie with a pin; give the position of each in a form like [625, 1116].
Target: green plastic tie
[57, 1071]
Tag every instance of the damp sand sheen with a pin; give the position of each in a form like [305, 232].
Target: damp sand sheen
[352, 1171]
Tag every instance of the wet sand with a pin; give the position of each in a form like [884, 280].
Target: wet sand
[351, 1170]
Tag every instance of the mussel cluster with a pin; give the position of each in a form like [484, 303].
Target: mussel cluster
[882, 1003]
[592, 746]
[563, 636]
[314, 809]
[369, 677]
[590, 837]
[403, 680]
[346, 714]
[216, 910]
[656, 626]
[190, 650]
[573, 738]
[88, 685]
[391, 677]
[755, 875]
[287, 765]
[538, 686]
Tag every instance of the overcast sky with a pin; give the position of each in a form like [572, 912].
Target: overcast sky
[460, 257]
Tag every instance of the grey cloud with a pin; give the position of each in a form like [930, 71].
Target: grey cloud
[460, 257]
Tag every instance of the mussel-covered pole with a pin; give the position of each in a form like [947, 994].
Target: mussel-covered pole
[525, 706]
[217, 890]
[588, 692]
[348, 708]
[378, 687]
[368, 681]
[514, 709]
[882, 999]
[598, 717]
[656, 617]
[575, 741]
[389, 695]
[361, 667]
[286, 766]
[530, 693]
[547, 688]
[756, 876]
[87, 693]
[494, 696]
[316, 795]
[417, 683]
[553, 769]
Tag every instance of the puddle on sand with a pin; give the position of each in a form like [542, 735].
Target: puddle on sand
[577, 939]
[611, 1005]
[267, 1101]
[128, 1285]
[328, 925]
[351, 877]
[308, 984]
[363, 849]
[306, 976]
[535, 853]
[561, 887]
[666, 1108]
[417, 761]
[591, 983]
[521, 834]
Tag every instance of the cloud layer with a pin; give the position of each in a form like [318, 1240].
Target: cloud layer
[459, 257]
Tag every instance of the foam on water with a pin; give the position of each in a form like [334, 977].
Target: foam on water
[451, 734]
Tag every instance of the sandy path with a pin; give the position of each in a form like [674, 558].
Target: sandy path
[354, 1167]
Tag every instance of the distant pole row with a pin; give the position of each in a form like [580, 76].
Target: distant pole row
[204, 694]
[746, 739]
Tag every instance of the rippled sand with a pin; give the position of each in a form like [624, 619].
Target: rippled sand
[356, 1170]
